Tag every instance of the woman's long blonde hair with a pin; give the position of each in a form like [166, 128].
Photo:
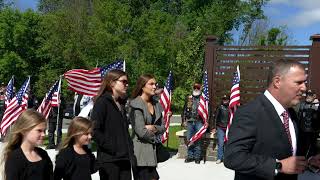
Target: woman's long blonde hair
[78, 126]
[27, 120]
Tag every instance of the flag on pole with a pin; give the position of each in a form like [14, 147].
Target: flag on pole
[203, 109]
[87, 82]
[50, 100]
[165, 101]
[56, 95]
[234, 99]
[9, 92]
[15, 107]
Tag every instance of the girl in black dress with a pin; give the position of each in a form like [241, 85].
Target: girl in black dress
[23, 159]
[75, 160]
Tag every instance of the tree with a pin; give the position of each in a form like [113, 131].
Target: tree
[19, 42]
[262, 33]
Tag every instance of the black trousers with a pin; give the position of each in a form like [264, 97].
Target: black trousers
[52, 128]
[119, 170]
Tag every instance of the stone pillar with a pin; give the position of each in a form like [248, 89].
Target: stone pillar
[314, 64]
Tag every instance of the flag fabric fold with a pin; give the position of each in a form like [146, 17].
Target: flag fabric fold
[234, 99]
[15, 107]
[203, 110]
[50, 100]
[9, 92]
[88, 82]
[165, 101]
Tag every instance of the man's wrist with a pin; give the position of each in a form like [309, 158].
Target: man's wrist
[278, 167]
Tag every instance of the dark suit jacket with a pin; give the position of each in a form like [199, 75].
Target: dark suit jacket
[256, 139]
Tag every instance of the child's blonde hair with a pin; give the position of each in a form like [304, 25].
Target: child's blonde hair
[78, 126]
[27, 120]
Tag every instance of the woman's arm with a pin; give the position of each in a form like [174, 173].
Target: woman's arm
[139, 126]
[99, 116]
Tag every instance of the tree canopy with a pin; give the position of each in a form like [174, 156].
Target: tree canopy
[152, 36]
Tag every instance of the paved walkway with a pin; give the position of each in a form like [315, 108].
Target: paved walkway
[176, 169]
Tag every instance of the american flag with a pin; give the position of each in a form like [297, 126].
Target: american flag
[87, 82]
[165, 101]
[203, 109]
[9, 91]
[234, 99]
[15, 107]
[50, 100]
[56, 95]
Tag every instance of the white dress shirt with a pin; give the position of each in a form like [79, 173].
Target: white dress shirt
[280, 109]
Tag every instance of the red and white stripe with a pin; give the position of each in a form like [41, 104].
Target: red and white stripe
[56, 96]
[203, 112]
[14, 109]
[83, 81]
[47, 103]
[165, 101]
[234, 102]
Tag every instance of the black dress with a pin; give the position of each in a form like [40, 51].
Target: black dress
[18, 167]
[73, 166]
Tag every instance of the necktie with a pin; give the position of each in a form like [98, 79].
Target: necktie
[286, 125]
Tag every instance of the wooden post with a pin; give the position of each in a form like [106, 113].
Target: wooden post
[210, 58]
[314, 64]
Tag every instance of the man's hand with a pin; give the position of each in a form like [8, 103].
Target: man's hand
[293, 165]
[315, 161]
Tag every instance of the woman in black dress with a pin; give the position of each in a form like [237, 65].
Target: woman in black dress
[23, 159]
[110, 130]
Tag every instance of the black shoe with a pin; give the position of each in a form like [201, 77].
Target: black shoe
[197, 161]
[188, 160]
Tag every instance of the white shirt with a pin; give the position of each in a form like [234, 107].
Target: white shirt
[280, 109]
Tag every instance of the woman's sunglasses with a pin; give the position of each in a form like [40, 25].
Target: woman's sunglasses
[125, 82]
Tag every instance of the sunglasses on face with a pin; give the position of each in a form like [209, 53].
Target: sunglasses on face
[124, 81]
[198, 88]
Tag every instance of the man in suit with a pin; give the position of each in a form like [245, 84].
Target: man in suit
[263, 138]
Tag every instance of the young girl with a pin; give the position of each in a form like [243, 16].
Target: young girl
[75, 161]
[23, 159]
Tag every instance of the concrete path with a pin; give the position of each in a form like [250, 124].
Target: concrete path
[176, 169]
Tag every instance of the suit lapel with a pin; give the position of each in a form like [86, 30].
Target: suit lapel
[274, 117]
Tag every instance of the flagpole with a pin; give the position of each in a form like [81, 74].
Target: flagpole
[59, 92]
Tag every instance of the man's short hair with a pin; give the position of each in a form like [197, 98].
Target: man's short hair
[281, 67]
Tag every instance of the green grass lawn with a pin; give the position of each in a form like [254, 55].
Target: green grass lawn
[171, 144]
